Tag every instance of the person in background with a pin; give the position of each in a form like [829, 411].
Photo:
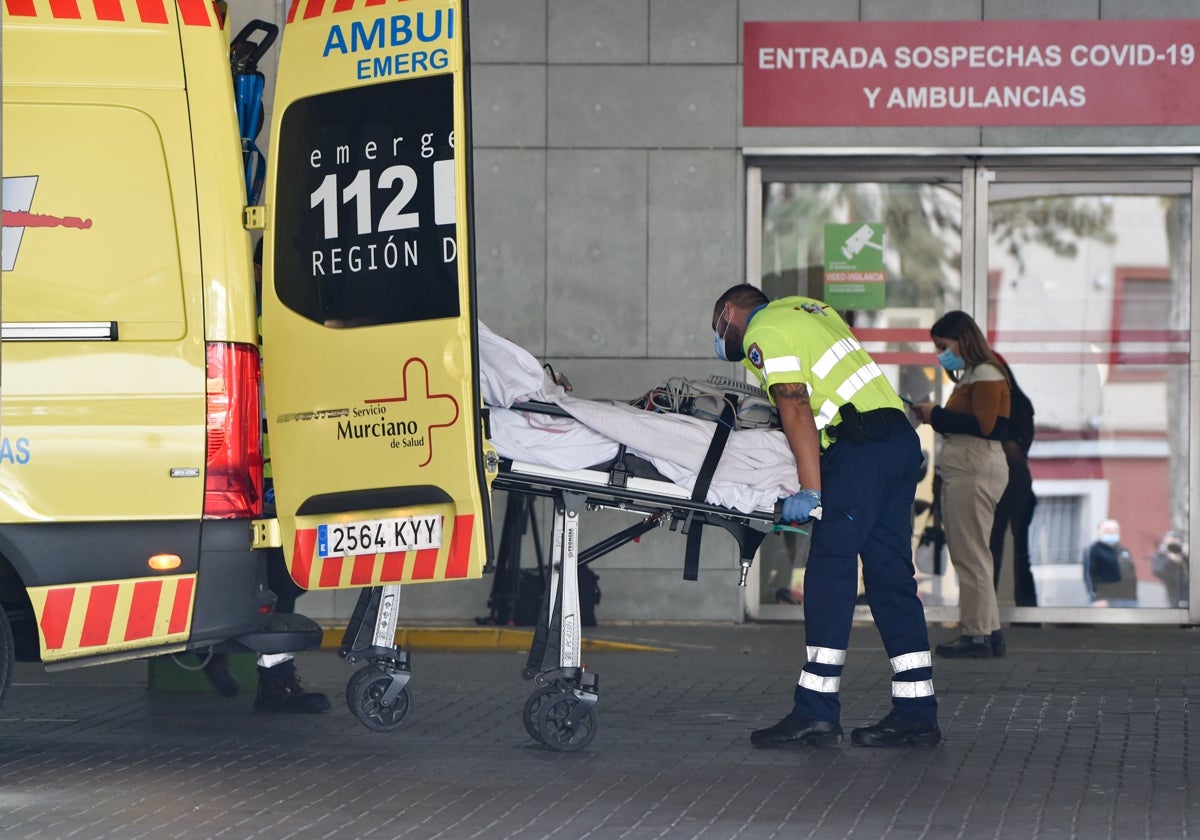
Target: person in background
[1108, 569]
[1016, 506]
[279, 688]
[974, 474]
[857, 463]
[1170, 565]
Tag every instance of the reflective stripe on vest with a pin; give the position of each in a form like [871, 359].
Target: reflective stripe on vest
[781, 364]
[858, 380]
[835, 354]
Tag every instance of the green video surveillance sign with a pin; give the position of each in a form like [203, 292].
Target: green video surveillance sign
[854, 272]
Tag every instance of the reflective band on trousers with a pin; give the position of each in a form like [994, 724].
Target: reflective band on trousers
[781, 364]
[825, 685]
[835, 354]
[826, 656]
[920, 688]
[908, 661]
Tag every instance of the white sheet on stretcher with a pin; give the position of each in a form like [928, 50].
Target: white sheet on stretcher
[756, 466]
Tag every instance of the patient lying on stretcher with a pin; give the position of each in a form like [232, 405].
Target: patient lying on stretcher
[756, 467]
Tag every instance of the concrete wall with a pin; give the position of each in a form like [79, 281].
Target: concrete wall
[609, 213]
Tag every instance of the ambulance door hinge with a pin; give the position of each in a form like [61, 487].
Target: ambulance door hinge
[254, 217]
[264, 533]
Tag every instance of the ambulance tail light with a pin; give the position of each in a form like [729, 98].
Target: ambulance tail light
[233, 474]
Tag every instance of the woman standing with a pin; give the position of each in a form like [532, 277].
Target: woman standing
[974, 474]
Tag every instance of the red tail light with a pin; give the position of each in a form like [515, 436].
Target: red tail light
[233, 476]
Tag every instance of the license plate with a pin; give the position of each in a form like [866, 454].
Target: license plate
[373, 536]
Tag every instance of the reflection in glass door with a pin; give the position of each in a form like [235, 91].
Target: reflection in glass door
[918, 219]
[1081, 271]
[1088, 298]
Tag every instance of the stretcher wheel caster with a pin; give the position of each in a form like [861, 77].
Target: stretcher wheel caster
[563, 725]
[533, 708]
[367, 695]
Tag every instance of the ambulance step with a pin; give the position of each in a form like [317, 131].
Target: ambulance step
[284, 633]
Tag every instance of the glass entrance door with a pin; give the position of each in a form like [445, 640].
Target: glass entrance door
[1088, 297]
[1081, 270]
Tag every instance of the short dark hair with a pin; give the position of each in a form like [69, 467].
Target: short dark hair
[743, 296]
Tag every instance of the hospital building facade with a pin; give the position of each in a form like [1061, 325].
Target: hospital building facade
[1032, 163]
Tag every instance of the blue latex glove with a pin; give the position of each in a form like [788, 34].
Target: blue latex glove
[800, 506]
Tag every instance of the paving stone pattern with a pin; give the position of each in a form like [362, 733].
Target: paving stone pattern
[1078, 733]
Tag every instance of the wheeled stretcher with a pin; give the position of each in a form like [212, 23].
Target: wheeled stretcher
[673, 470]
[561, 711]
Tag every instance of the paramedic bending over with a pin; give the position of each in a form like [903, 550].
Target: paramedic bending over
[858, 461]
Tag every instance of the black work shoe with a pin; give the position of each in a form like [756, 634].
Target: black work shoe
[999, 646]
[964, 647]
[218, 673]
[279, 690]
[897, 730]
[796, 731]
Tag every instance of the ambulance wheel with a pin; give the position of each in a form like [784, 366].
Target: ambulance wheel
[557, 733]
[7, 654]
[364, 696]
[533, 709]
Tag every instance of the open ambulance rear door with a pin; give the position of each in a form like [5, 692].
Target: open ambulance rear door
[369, 326]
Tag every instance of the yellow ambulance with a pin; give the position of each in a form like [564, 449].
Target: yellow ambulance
[131, 392]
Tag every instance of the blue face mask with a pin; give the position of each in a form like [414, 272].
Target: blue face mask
[950, 360]
[719, 346]
[1110, 539]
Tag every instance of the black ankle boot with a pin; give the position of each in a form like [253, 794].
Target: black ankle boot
[279, 690]
[796, 731]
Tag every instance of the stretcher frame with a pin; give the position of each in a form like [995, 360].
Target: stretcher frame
[561, 711]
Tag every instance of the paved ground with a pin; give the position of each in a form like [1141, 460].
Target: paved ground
[1079, 733]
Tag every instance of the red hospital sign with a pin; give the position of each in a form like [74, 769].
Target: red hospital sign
[995, 73]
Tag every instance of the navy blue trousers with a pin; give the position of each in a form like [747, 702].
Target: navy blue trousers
[867, 495]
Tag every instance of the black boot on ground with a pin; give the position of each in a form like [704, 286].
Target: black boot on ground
[965, 647]
[279, 690]
[896, 730]
[796, 731]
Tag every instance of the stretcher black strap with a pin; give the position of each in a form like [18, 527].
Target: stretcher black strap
[691, 556]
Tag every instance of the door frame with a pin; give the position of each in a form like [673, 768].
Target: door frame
[980, 169]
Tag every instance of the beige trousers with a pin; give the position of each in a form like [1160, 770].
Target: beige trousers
[974, 474]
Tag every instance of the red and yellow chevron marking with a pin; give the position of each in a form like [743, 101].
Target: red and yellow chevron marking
[306, 9]
[191, 12]
[91, 618]
[450, 562]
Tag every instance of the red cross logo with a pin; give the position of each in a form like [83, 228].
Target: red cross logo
[424, 403]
